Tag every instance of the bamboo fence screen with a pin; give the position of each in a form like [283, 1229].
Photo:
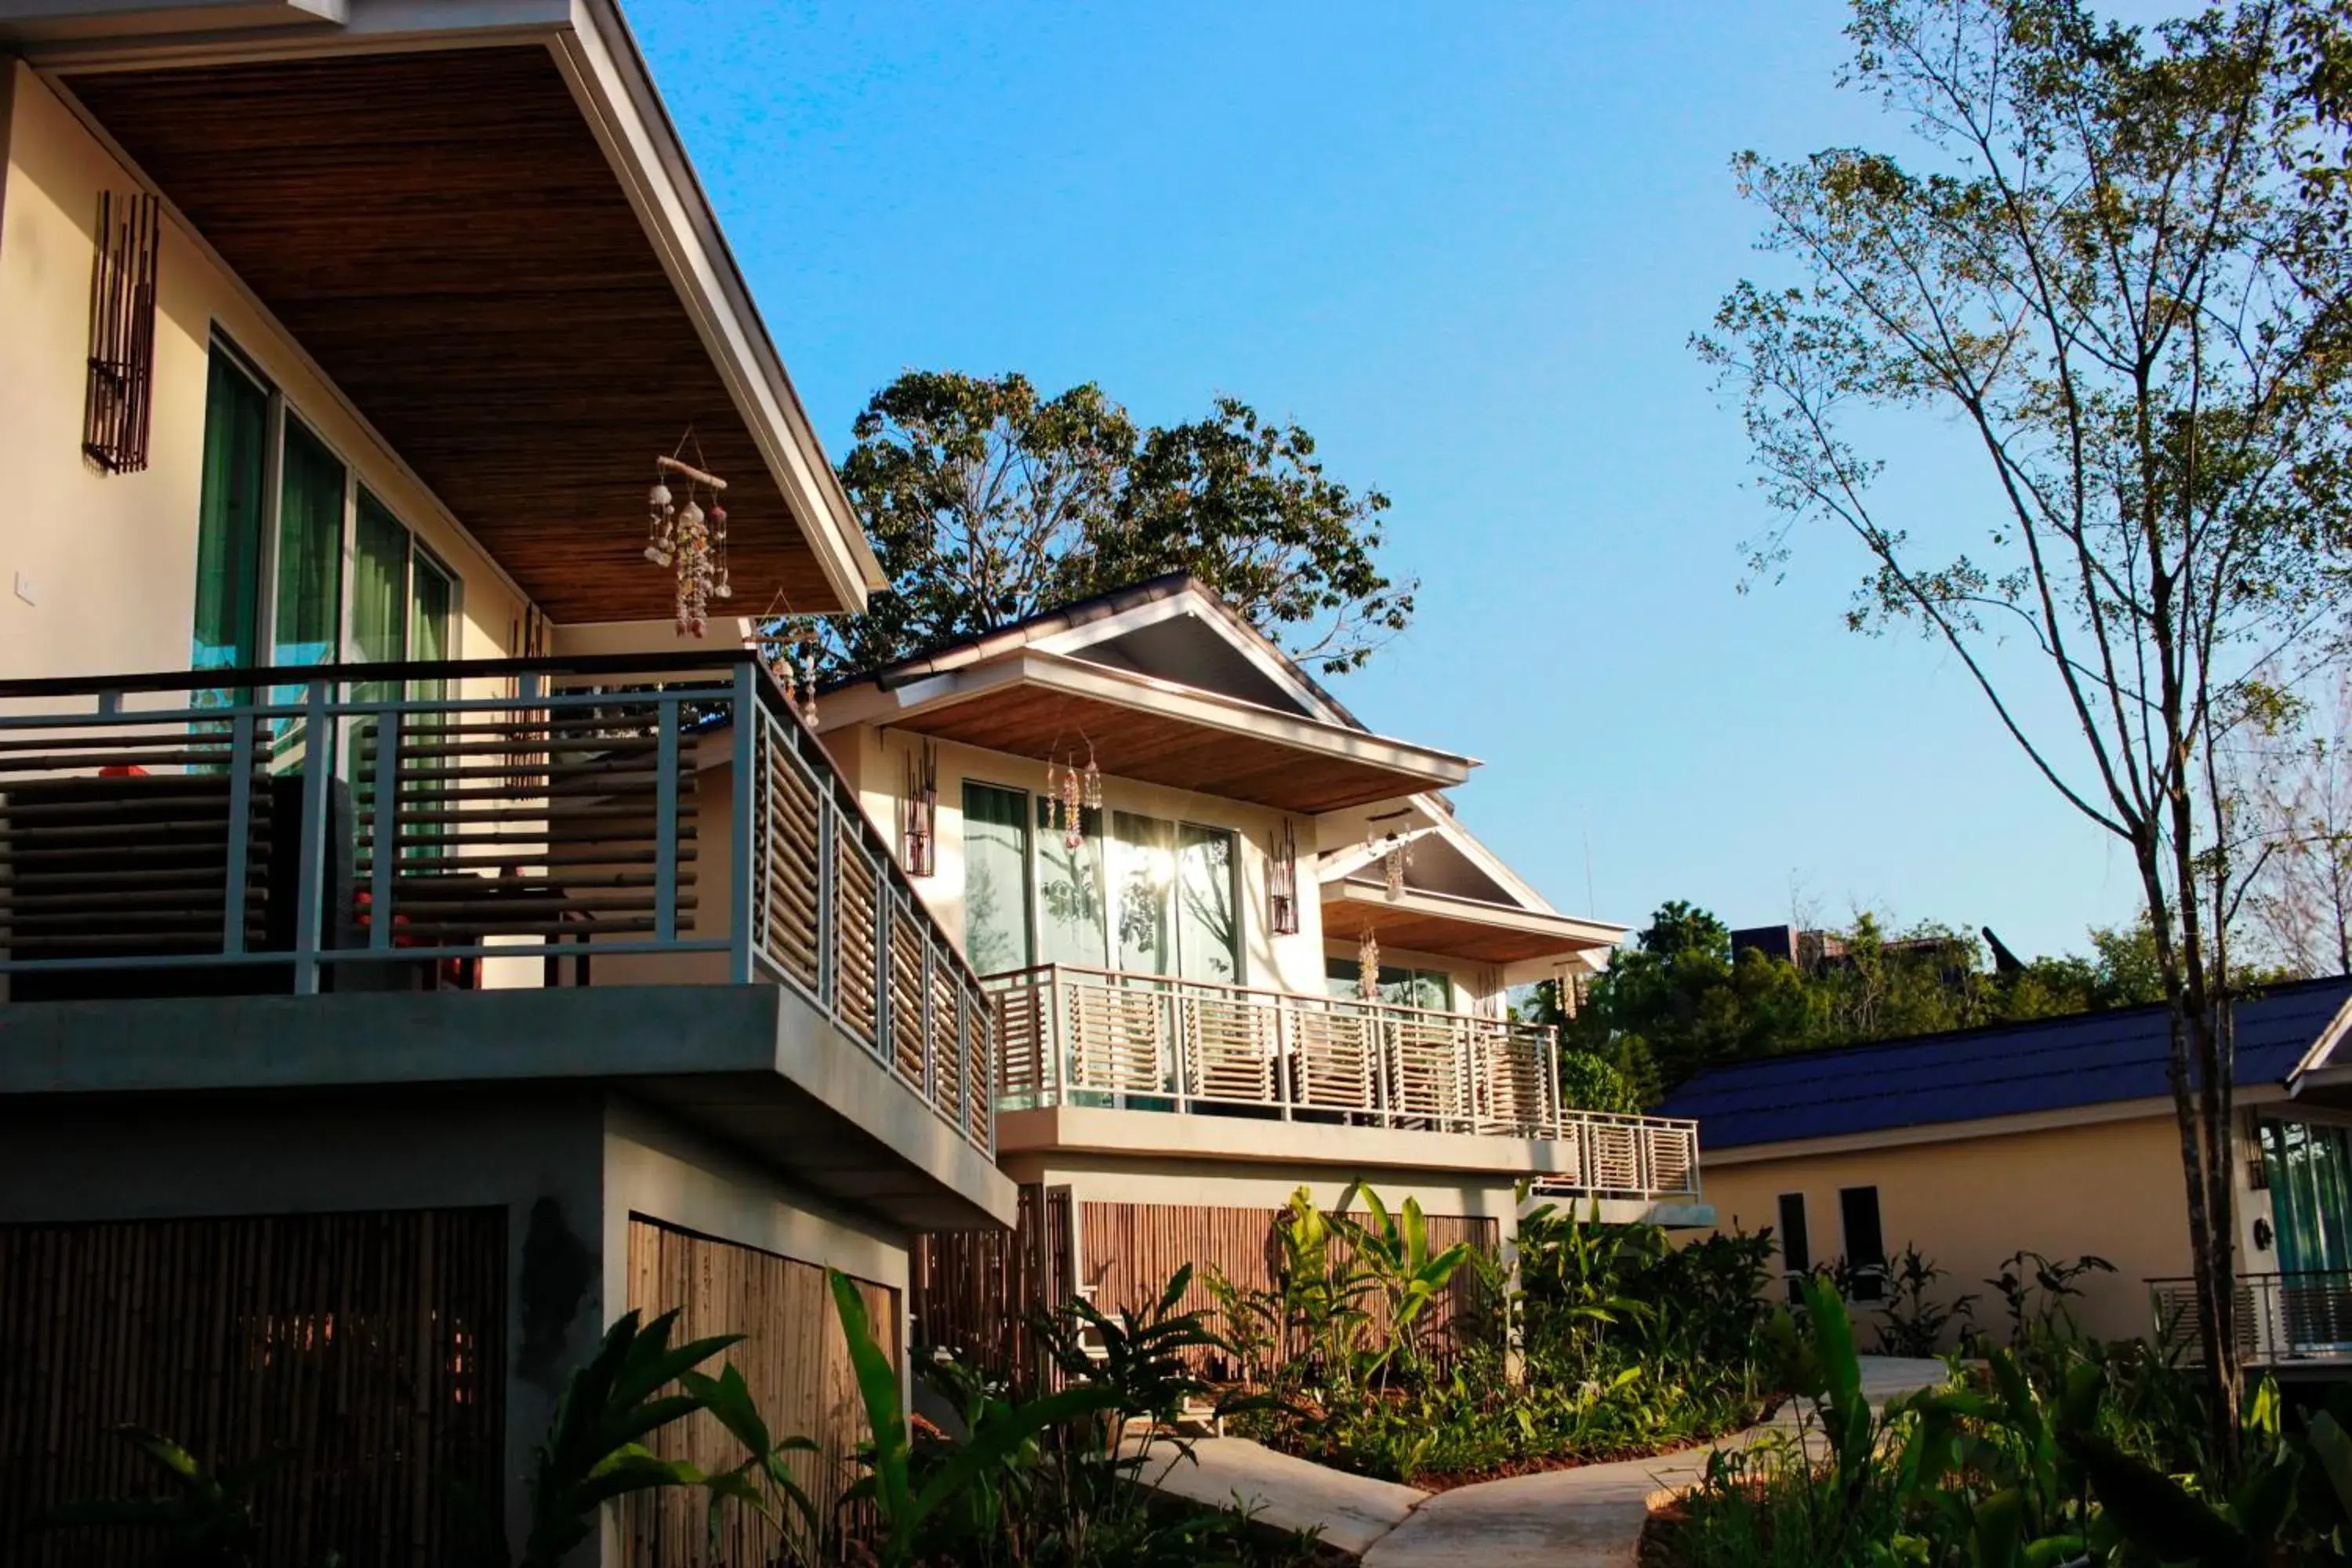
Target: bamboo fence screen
[370, 1348]
[974, 1292]
[795, 1361]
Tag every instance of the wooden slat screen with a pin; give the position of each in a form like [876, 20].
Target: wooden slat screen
[797, 1365]
[906, 995]
[372, 1346]
[854, 976]
[980, 1102]
[532, 823]
[790, 827]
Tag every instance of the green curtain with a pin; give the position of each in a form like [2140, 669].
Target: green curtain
[310, 551]
[995, 877]
[379, 584]
[2310, 1171]
[228, 518]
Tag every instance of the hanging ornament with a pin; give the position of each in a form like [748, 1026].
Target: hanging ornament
[689, 542]
[1367, 967]
[1073, 831]
[1093, 794]
[1400, 851]
[808, 678]
[1282, 881]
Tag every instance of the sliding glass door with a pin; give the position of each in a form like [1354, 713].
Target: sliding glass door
[231, 512]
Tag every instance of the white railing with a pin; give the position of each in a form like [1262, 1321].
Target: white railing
[467, 823]
[2279, 1319]
[1071, 1036]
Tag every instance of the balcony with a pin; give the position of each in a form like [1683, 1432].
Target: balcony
[2283, 1321]
[489, 826]
[1094, 1038]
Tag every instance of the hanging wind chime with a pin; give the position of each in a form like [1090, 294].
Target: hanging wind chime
[1074, 792]
[922, 808]
[1367, 967]
[689, 541]
[1282, 881]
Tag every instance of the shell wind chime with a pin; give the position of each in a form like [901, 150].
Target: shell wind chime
[681, 535]
[1367, 967]
[1074, 792]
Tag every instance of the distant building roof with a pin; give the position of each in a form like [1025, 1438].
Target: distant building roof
[2007, 1069]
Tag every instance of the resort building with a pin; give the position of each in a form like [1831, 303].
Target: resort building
[2055, 1136]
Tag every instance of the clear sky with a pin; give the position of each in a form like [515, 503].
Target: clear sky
[1463, 245]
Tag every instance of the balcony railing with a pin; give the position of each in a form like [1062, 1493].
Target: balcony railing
[1079, 1036]
[2282, 1318]
[486, 823]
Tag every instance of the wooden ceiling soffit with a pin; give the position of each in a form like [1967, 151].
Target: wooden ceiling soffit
[442, 234]
[1135, 742]
[1448, 932]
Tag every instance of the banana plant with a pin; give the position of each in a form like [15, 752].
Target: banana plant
[763, 1482]
[920, 1512]
[205, 1519]
[1395, 1251]
[594, 1450]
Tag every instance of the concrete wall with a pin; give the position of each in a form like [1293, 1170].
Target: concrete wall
[108, 561]
[2111, 1188]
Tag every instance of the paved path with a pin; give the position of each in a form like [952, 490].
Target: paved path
[1591, 1517]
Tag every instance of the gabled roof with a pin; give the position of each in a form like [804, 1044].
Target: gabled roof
[518, 284]
[1162, 682]
[1105, 628]
[2048, 1065]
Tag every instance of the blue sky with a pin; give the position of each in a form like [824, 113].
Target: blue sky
[1463, 246]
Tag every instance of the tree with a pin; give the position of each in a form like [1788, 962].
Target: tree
[2300, 898]
[2105, 275]
[988, 502]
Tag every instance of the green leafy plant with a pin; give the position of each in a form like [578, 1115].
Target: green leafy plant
[1394, 1257]
[205, 1519]
[594, 1450]
[763, 1482]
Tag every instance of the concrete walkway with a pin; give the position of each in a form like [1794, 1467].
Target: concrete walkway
[1591, 1517]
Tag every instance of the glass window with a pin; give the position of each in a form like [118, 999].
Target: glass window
[1143, 863]
[380, 606]
[229, 517]
[1865, 1246]
[310, 551]
[1071, 906]
[1208, 936]
[995, 877]
[1400, 987]
[1796, 1247]
[2310, 1169]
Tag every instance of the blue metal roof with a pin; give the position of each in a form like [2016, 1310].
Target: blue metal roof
[2050, 1064]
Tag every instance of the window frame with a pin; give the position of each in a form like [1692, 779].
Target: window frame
[1796, 1261]
[1868, 1272]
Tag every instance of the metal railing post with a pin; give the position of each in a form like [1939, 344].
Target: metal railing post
[665, 822]
[1178, 1039]
[828, 912]
[1286, 1066]
[882, 1008]
[240, 829]
[744, 875]
[383, 846]
[317, 768]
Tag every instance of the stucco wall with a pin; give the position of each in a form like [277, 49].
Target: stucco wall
[110, 560]
[2110, 1188]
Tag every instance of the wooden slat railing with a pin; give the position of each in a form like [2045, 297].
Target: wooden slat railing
[1081, 1036]
[426, 825]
